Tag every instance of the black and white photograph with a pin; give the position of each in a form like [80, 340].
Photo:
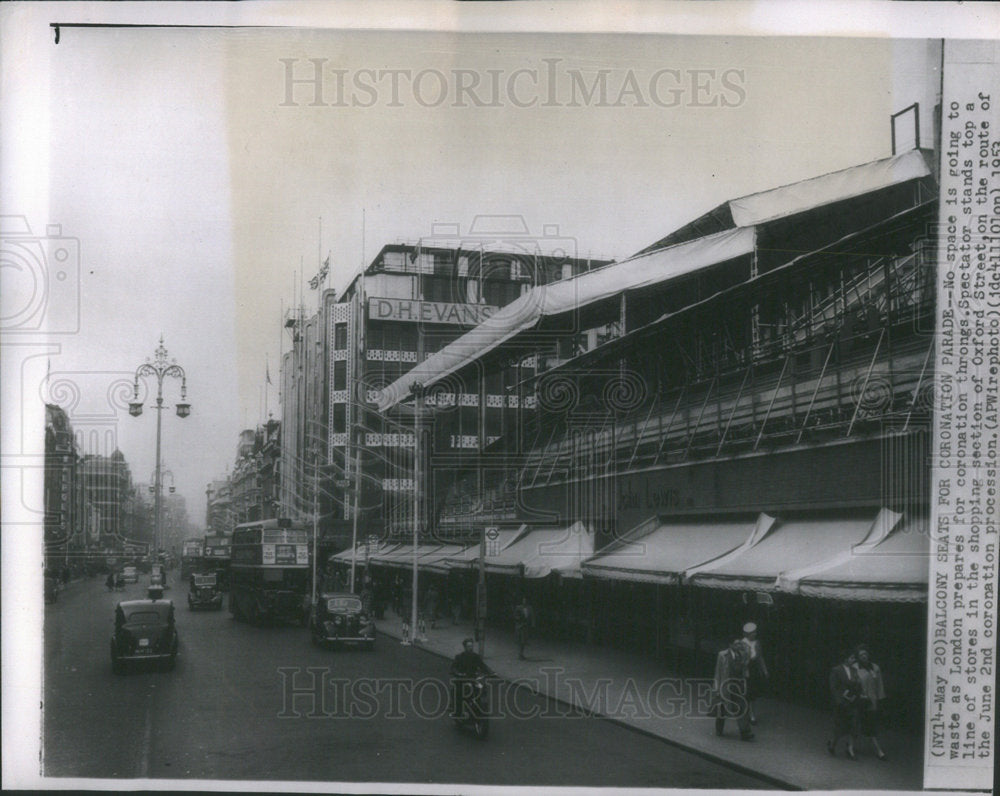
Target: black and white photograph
[478, 397]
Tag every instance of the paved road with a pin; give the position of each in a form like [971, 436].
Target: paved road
[228, 713]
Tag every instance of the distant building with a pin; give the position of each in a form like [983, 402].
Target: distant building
[108, 484]
[255, 473]
[218, 507]
[66, 508]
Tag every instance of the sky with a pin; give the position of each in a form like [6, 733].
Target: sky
[206, 174]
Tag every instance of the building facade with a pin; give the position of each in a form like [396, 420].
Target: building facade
[709, 425]
[339, 452]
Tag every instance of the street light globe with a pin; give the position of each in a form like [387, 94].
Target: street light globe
[183, 410]
[135, 409]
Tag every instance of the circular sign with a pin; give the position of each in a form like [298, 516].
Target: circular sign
[492, 533]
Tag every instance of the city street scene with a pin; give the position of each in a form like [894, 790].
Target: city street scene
[445, 411]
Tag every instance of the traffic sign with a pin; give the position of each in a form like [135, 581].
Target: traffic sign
[492, 532]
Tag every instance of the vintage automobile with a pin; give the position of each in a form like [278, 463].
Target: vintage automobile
[203, 591]
[340, 618]
[144, 633]
[130, 575]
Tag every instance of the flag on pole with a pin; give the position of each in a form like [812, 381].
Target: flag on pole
[415, 254]
[267, 370]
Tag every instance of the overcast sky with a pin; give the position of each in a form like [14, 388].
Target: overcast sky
[194, 175]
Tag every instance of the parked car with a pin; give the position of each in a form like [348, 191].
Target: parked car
[340, 618]
[144, 632]
[130, 575]
[203, 591]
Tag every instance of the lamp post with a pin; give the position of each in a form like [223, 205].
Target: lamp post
[152, 488]
[161, 369]
[417, 389]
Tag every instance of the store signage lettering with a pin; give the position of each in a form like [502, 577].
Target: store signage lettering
[389, 309]
[649, 498]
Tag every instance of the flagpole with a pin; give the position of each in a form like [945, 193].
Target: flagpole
[267, 381]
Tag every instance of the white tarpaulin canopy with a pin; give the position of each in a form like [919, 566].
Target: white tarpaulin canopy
[570, 295]
[798, 197]
[660, 551]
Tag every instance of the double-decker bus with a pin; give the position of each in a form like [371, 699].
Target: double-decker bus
[269, 571]
[217, 557]
[191, 557]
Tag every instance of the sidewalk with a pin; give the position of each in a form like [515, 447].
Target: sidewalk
[790, 747]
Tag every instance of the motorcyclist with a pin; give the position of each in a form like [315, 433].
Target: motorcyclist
[465, 668]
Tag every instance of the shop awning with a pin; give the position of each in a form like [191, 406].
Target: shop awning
[545, 550]
[661, 550]
[791, 545]
[426, 555]
[390, 553]
[402, 556]
[891, 568]
[564, 554]
[469, 558]
[364, 551]
[567, 296]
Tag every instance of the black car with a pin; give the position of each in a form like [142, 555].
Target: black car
[340, 618]
[203, 591]
[144, 632]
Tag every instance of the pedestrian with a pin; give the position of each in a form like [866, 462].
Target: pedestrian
[845, 689]
[432, 604]
[397, 596]
[729, 696]
[756, 668]
[523, 620]
[872, 693]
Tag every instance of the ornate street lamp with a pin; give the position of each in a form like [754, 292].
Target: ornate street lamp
[161, 369]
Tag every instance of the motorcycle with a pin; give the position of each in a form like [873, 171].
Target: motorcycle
[476, 706]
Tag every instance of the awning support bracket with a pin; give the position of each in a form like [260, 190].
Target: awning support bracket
[670, 424]
[864, 387]
[701, 414]
[777, 389]
[819, 381]
[920, 382]
[736, 403]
